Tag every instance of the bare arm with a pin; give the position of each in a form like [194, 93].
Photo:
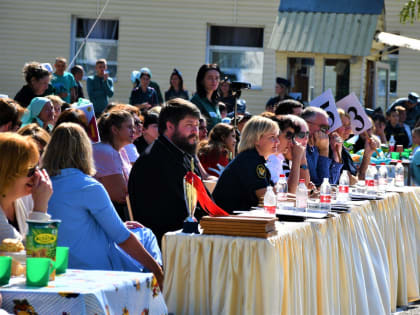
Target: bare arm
[298, 151]
[135, 249]
[116, 187]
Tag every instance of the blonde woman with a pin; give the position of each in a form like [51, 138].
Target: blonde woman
[244, 181]
[24, 189]
[90, 226]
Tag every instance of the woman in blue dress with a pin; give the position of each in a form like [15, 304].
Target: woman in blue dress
[90, 226]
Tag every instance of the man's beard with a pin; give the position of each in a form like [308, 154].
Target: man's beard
[182, 142]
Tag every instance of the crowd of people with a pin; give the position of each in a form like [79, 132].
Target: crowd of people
[133, 177]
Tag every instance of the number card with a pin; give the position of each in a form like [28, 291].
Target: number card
[327, 103]
[359, 120]
[87, 107]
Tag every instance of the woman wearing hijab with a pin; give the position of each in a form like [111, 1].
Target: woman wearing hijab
[39, 111]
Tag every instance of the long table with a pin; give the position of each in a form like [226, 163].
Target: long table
[366, 261]
[87, 292]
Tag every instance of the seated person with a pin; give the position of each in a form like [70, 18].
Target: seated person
[244, 181]
[90, 226]
[415, 162]
[10, 115]
[218, 149]
[41, 112]
[24, 189]
[150, 132]
[112, 163]
[317, 151]
[393, 127]
[380, 123]
[289, 107]
[369, 148]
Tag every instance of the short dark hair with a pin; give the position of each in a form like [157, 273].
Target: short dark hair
[10, 111]
[76, 69]
[311, 111]
[176, 110]
[286, 107]
[379, 117]
[287, 121]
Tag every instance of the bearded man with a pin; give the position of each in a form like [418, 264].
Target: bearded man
[155, 185]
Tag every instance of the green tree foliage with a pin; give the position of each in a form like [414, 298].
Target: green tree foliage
[410, 11]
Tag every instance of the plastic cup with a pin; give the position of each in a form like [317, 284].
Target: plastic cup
[5, 269]
[61, 259]
[38, 271]
[395, 155]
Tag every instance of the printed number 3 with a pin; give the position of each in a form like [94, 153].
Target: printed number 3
[331, 115]
[356, 117]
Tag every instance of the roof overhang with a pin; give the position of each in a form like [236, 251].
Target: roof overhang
[328, 33]
[398, 40]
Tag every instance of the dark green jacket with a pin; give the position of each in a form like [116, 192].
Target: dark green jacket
[208, 110]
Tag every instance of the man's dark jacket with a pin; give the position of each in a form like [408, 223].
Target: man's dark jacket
[156, 188]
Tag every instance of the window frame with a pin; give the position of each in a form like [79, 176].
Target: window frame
[233, 49]
[74, 40]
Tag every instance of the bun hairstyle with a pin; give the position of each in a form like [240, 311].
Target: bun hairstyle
[34, 70]
[112, 118]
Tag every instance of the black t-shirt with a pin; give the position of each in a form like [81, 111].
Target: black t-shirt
[235, 189]
[26, 94]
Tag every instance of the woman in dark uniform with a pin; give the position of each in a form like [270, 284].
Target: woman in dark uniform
[282, 85]
[244, 181]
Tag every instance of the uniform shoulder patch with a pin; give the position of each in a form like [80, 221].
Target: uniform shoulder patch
[261, 171]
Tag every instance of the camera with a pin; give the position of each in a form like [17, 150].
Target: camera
[237, 86]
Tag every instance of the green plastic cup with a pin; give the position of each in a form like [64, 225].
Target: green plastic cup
[5, 269]
[61, 259]
[38, 271]
[395, 155]
[405, 155]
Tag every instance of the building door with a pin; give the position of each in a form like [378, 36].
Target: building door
[370, 84]
[382, 85]
[300, 72]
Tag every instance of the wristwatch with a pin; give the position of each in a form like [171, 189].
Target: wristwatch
[304, 167]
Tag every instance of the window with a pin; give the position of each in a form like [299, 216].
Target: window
[337, 77]
[393, 69]
[102, 43]
[300, 72]
[239, 53]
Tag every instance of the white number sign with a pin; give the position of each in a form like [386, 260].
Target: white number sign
[359, 120]
[327, 103]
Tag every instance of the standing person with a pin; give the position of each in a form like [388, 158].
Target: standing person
[415, 162]
[63, 81]
[155, 185]
[10, 115]
[143, 96]
[37, 80]
[116, 129]
[207, 83]
[150, 132]
[317, 151]
[393, 127]
[226, 94]
[100, 87]
[281, 89]
[244, 181]
[78, 72]
[176, 87]
[402, 113]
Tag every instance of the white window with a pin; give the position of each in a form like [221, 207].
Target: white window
[102, 43]
[239, 52]
[393, 71]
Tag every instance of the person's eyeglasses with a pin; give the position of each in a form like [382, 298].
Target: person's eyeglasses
[289, 135]
[323, 128]
[32, 171]
[302, 134]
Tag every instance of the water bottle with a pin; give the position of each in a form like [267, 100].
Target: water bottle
[325, 195]
[399, 174]
[375, 176]
[392, 144]
[270, 201]
[370, 180]
[301, 196]
[383, 177]
[343, 187]
[281, 188]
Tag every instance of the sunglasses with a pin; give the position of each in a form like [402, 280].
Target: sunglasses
[289, 135]
[32, 171]
[302, 134]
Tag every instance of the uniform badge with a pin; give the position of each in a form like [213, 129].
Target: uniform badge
[261, 171]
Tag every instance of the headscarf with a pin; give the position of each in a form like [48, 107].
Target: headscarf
[145, 70]
[135, 75]
[33, 110]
